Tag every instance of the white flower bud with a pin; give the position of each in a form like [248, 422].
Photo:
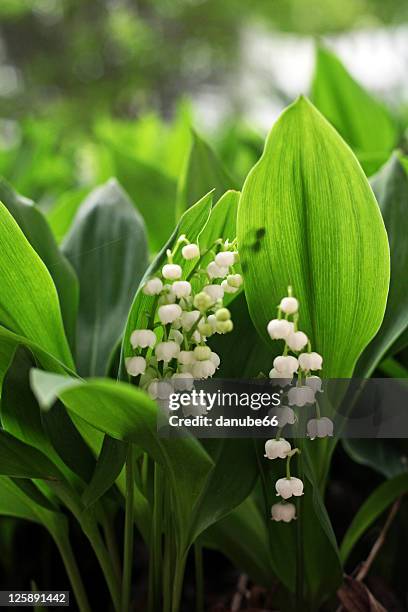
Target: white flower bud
[286, 487]
[160, 389]
[310, 361]
[166, 351]
[190, 251]
[289, 305]
[186, 357]
[314, 382]
[286, 365]
[188, 319]
[234, 280]
[168, 296]
[215, 359]
[212, 320]
[176, 336]
[225, 259]
[277, 449]
[296, 340]
[279, 329]
[205, 329]
[169, 313]
[203, 369]
[143, 338]
[183, 381]
[222, 314]
[283, 512]
[152, 286]
[228, 288]
[216, 292]
[320, 428]
[224, 327]
[135, 365]
[172, 271]
[181, 289]
[299, 396]
[285, 415]
[215, 271]
[201, 353]
[283, 381]
[202, 301]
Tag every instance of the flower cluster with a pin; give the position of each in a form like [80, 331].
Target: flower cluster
[293, 368]
[188, 309]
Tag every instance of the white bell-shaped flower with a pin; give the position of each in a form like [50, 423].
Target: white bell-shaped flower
[234, 280]
[297, 340]
[176, 336]
[152, 286]
[160, 389]
[143, 338]
[197, 408]
[228, 288]
[289, 305]
[285, 415]
[320, 428]
[212, 320]
[310, 361]
[172, 271]
[183, 381]
[181, 289]
[190, 251]
[202, 301]
[203, 369]
[286, 487]
[197, 337]
[277, 449]
[225, 259]
[216, 271]
[283, 382]
[186, 357]
[166, 351]
[201, 353]
[188, 319]
[300, 396]
[286, 365]
[135, 365]
[216, 292]
[215, 359]
[279, 329]
[169, 313]
[314, 382]
[283, 512]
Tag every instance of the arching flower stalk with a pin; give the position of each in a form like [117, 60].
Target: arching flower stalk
[293, 368]
[188, 309]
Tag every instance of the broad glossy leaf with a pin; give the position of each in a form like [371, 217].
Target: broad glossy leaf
[63, 211]
[203, 172]
[7, 349]
[308, 218]
[364, 122]
[38, 233]
[126, 413]
[107, 247]
[13, 503]
[372, 508]
[191, 224]
[390, 186]
[108, 467]
[21, 460]
[29, 303]
[385, 456]
[223, 220]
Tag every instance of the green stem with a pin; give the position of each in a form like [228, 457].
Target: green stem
[111, 543]
[74, 576]
[299, 543]
[199, 575]
[178, 582]
[155, 567]
[128, 533]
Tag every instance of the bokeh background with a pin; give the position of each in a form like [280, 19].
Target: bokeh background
[96, 88]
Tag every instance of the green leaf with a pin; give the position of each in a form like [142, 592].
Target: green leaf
[390, 186]
[363, 122]
[191, 224]
[62, 213]
[22, 460]
[107, 247]
[28, 299]
[308, 218]
[203, 172]
[108, 467]
[126, 413]
[223, 220]
[382, 497]
[13, 503]
[7, 349]
[39, 235]
[387, 457]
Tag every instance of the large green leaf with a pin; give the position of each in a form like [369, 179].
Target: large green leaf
[126, 413]
[28, 299]
[362, 121]
[107, 247]
[308, 218]
[21, 460]
[391, 188]
[203, 171]
[382, 497]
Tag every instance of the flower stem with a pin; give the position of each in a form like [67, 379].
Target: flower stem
[128, 533]
[72, 570]
[199, 576]
[156, 541]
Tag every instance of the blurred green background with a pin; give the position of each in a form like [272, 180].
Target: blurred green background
[91, 89]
